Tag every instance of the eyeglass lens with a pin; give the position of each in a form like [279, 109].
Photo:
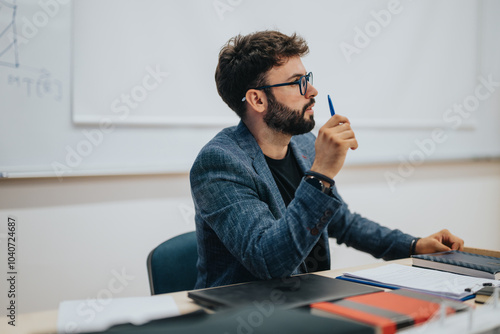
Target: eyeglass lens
[303, 82]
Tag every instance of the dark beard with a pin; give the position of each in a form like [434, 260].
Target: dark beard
[286, 120]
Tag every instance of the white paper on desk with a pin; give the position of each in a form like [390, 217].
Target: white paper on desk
[426, 280]
[92, 315]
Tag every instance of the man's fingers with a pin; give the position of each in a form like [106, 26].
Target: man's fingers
[354, 144]
[344, 130]
[430, 245]
[334, 139]
[441, 241]
[451, 240]
[336, 120]
[344, 133]
[347, 134]
[439, 247]
[458, 245]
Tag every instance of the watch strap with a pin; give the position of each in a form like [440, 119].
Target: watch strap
[318, 184]
[320, 176]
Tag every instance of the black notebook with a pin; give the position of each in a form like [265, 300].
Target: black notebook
[461, 263]
[287, 292]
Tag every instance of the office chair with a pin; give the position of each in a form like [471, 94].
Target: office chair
[172, 264]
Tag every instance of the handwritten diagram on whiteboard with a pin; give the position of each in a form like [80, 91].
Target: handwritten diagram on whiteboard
[9, 54]
[35, 51]
[20, 29]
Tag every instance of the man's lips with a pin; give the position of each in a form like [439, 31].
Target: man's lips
[310, 108]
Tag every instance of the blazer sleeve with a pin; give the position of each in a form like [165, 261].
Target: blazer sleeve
[368, 236]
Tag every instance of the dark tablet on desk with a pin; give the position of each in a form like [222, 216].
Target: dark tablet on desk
[287, 292]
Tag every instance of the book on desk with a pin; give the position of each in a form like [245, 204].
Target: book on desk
[460, 263]
[389, 311]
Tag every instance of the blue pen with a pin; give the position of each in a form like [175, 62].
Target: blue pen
[332, 111]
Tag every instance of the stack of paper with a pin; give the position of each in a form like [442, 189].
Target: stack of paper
[440, 283]
[95, 315]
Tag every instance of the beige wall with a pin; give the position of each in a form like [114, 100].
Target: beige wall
[89, 237]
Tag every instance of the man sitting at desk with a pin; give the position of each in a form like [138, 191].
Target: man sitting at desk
[264, 190]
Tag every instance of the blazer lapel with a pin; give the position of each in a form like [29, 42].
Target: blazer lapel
[248, 143]
[304, 160]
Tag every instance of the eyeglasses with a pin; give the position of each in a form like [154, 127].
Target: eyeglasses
[302, 82]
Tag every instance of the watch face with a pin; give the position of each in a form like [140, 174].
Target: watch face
[315, 182]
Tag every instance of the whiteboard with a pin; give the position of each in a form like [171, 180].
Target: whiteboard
[34, 85]
[397, 61]
[131, 82]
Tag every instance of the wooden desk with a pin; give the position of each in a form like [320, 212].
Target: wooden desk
[481, 251]
[46, 322]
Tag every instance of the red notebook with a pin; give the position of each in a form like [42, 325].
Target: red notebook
[388, 311]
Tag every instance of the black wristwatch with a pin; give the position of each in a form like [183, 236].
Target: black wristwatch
[318, 184]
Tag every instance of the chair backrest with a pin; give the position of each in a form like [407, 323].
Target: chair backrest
[172, 264]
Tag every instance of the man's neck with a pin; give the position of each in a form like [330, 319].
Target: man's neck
[272, 143]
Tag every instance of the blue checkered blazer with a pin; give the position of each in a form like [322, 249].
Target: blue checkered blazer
[244, 230]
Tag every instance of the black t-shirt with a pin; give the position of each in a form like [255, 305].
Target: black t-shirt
[287, 175]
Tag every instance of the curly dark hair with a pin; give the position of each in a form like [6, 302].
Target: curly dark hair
[245, 60]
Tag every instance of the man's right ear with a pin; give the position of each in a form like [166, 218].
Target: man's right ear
[256, 99]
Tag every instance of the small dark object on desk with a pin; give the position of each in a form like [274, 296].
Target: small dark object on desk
[484, 294]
